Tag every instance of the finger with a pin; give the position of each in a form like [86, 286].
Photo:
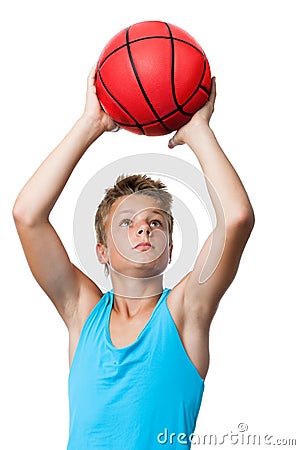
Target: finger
[115, 129]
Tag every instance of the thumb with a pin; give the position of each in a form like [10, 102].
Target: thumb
[91, 78]
[174, 141]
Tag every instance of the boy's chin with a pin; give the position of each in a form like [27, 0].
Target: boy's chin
[141, 270]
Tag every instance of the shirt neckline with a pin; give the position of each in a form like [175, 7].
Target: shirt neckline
[108, 338]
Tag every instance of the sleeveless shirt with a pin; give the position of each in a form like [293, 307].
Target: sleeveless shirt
[134, 397]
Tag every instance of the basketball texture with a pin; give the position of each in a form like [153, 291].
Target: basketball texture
[152, 77]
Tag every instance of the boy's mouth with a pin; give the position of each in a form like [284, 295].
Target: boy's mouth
[142, 246]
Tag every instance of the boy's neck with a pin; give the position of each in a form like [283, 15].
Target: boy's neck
[136, 288]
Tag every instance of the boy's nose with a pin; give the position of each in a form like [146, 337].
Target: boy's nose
[144, 229]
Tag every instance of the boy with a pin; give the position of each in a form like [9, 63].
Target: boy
[138, 354]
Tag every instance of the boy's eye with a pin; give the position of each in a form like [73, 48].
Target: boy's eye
[128, 222]
[125, 223]
[155, 223]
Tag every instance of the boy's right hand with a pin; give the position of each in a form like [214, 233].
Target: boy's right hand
[93, 110]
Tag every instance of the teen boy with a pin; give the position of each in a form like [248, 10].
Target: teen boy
[140, 353]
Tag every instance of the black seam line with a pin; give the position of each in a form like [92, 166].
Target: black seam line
[147, 38]
[199, 85]
[166, 116]
[120, 104]
[140, 84]
[178, 106]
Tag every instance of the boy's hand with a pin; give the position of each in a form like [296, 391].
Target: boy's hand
[200, 118]
[93, 110]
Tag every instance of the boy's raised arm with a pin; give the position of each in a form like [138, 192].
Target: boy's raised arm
[45, 253]
[218, 260]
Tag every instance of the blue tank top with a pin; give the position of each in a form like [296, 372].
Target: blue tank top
[135, 397]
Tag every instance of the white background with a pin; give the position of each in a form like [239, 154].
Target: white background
[253, 48]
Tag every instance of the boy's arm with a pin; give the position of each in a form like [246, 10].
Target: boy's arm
[45, 253]
[218, 260]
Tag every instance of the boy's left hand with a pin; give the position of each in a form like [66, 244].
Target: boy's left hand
[200, 118]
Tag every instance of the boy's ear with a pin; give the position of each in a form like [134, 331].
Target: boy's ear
[170, 253]
[101, 252]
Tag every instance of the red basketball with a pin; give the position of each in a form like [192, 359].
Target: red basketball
[152, 77]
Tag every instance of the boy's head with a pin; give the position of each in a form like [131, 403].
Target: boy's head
[137, 209]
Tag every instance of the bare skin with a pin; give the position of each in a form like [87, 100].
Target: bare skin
[137, 281]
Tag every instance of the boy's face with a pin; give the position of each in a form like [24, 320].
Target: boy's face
[137, 237]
